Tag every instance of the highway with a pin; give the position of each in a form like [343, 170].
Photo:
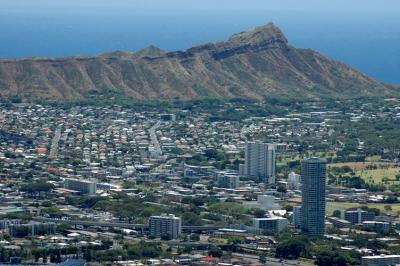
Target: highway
[271, 261]
[54, 143]
[122, 225]
[92, 223]
[154, 139]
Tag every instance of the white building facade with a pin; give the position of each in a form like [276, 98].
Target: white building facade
[260, 162]
[165, 225]
[294, 181]
[273, 224]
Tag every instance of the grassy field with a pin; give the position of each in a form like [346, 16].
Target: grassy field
[377, 175]
[331, 206]
[375, 158]
[386, 171]
[284, 158]
[358, 166]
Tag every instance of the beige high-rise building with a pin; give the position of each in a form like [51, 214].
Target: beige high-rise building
[260, 162]
[165, 225]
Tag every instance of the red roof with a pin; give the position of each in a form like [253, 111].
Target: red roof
[208, 259]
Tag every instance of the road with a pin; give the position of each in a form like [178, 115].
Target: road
[54, 143]
[255, 258]
[122, 225]
[154, 139]
[271, 261]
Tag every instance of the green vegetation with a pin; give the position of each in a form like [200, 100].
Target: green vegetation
[383, 207]
[373, 176]
[52, 212]
[37, 187]
[325, 252]
[215, 252]
[388, 175]
[380, 138]
[102, 253]
[336, 258]
[372, 171]
[291, 249]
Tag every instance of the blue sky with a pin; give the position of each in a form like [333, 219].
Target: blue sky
[300, 5]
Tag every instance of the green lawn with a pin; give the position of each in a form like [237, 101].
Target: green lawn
[384, 170]
[375, 158]
[331, 206]
[377, 175]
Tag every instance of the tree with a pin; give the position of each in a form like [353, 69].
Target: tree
[194, 237]
[263, 259]
[215, 252]
[36, 253]
[290, 249]
[376, 244]
[87, 254]
[214, 154]
[15, 99]
[166, 237]
[53, 212]
[191, 218]
[387, 207]
[4, 256]
[391, 199]
[62, 228]
[281, 189]
[337, 213]
[47, 204]
[330, 258]
[37, 187]
[259, 213]
[234, 243]
[143, 250]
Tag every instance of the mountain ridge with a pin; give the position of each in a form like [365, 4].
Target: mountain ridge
[254, 64]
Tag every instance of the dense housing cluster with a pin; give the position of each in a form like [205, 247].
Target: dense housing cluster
[231, 182]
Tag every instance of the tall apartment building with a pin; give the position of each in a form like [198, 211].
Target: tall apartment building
[227, 180]
[260, 161]
[264, 202]
[294, 181]
[165, 225]
[273, 224]
[80, 185]
[358, 216]
[297, 216]
[313, 173]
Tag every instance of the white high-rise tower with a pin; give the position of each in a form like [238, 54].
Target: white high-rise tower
[260, 161]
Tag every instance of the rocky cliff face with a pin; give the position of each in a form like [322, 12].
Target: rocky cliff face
[255, 64]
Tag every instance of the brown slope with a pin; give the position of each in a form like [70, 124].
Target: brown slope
[252, 64]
